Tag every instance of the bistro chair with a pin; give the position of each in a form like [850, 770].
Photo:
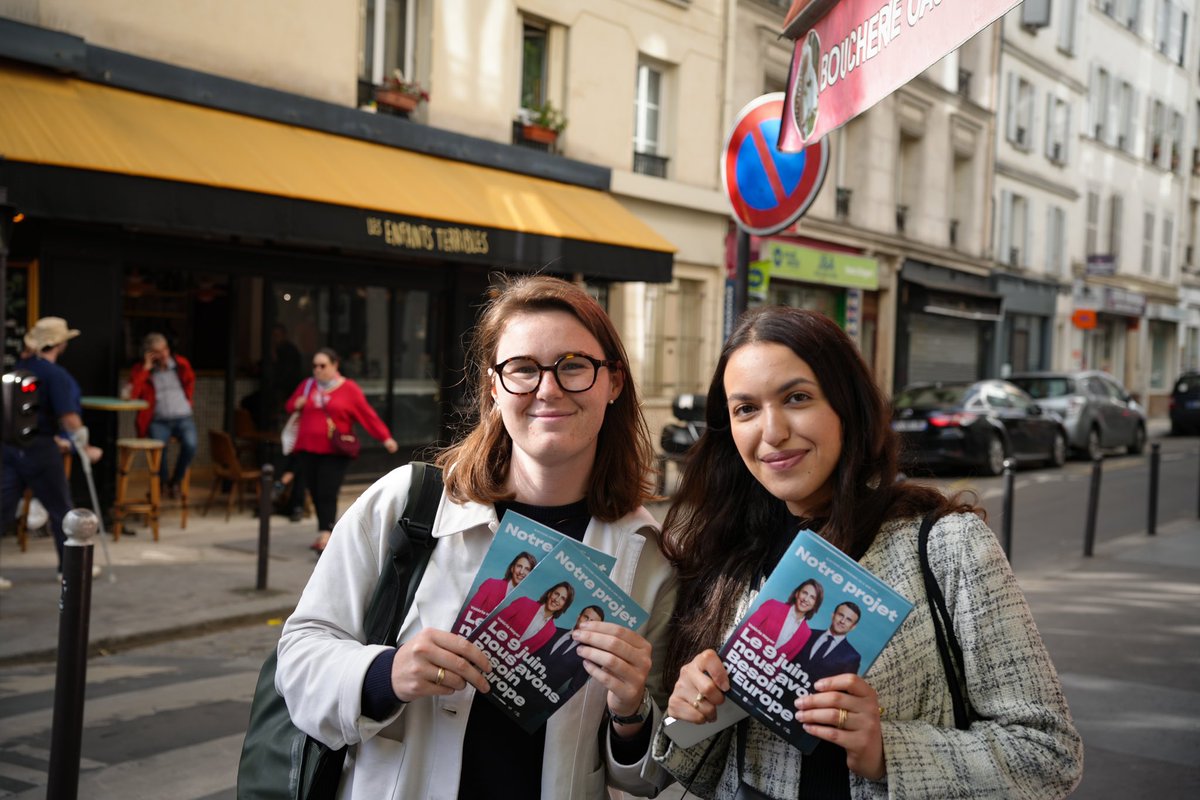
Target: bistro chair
[227, 468]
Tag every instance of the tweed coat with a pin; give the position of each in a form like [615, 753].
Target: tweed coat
[1023, 746]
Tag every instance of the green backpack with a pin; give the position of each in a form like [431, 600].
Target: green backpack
[281, 762]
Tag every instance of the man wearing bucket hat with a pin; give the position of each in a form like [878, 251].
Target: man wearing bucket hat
[39, 465]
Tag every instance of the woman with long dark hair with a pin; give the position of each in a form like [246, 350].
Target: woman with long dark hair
[559, 437]
[799, 436]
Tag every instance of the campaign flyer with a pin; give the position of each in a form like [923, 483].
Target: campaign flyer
[536, 666]
[519, 545]
[818, 614]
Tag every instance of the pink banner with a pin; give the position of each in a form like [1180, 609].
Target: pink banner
[862, 50]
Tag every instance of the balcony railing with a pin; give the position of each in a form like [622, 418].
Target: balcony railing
[901, 218]
[649, 164]
[519, 139]
[954, 233]
[964, 82]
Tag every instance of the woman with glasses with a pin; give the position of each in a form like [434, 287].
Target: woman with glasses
[329, 404]
[557, 435]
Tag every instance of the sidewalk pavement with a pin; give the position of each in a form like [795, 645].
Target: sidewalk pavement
[1123, 627]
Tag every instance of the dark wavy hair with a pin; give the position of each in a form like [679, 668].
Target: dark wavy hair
[820, 590]
[724, 526]
[570, 597]
[622, 474]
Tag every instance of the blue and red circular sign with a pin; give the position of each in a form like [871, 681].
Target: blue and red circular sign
[769, 189]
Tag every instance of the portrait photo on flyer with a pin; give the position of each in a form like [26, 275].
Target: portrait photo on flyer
[519, 545]
[536, 666]
[818, 614]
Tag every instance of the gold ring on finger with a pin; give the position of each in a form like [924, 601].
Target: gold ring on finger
[842, 714]
[699, 699]
[881, 712]
[441, 676]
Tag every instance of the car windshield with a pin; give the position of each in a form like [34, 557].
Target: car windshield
[943, 396]
[1042, 388]
[1188, 384]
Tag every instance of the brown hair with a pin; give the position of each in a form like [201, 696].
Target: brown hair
[817, 587]
[545, 598]
[724, 526]
[621, 473]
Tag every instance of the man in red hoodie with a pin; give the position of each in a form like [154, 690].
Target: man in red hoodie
[167, 382]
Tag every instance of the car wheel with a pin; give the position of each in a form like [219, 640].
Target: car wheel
[1138, 445]
[994, 463]
[1058, 451]
[1094, 450]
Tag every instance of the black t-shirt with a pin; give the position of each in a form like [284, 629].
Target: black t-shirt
[500, 760]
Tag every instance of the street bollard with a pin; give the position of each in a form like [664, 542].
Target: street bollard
[74, 606]
[1152, 518]
[264, 524]
[1089, 531]
[1007, 534]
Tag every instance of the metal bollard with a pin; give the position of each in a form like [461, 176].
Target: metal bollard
[1152, 518]
[74, 605]
[1089, 531]
[1007, 532]
[264, 524]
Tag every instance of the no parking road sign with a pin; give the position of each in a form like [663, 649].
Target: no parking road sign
[769, 189]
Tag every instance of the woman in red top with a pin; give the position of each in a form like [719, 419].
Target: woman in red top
[327, 404]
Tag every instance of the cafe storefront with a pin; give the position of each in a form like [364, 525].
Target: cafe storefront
[251, 241]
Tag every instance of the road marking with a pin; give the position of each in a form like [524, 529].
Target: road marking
[138, 703]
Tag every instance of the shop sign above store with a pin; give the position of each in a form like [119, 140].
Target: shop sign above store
[768, 190]
[851, 56]
[1101, 264]
[795, 263]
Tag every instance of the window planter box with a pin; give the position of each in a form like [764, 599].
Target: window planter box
[397, 100]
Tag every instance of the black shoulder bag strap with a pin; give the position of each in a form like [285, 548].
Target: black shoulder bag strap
[410, 543]
[943, 626]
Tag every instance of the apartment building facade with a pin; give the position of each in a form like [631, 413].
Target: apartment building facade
[1095, 181]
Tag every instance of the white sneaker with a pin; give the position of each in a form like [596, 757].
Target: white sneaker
[5, 583]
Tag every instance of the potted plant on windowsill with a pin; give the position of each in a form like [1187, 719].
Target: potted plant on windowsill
[542, 123]
[400, 94]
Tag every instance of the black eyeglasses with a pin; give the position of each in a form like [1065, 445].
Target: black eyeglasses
[574, 372]
[320, 366]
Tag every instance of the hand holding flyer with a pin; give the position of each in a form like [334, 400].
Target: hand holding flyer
[528, 636]
[837, 617]
[818, 614]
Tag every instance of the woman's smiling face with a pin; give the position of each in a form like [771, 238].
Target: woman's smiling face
[786, 432]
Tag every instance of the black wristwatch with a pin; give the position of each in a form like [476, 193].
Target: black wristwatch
[641, 715]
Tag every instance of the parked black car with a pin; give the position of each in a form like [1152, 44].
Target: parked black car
[1096, 410]
[975, 425]
[1185, 405]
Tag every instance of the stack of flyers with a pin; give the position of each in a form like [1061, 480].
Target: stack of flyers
[818, 614]
[519, 546]
[536, 666]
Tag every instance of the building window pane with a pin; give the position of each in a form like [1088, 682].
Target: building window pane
[533, 66]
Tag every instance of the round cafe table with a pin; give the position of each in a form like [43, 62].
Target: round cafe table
[106, 437]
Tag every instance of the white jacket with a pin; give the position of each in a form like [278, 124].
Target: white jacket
[417, 752]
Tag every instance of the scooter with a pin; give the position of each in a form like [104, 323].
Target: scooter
[677, 440]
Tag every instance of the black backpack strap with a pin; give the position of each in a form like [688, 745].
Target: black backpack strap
[411, 544]
[943, 626]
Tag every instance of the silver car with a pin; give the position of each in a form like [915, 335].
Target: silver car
[1096, 410]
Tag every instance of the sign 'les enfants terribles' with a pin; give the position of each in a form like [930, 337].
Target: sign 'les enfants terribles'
[420, 236]
[862, 50]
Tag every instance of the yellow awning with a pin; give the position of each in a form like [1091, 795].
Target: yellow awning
[66, 122]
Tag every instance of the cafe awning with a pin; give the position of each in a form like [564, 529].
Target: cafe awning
[379, 197]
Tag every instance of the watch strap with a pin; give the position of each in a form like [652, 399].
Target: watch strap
[641, 715]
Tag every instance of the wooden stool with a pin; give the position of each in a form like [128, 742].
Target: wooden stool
[184, 486]
[23, 518]
[126, 450]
